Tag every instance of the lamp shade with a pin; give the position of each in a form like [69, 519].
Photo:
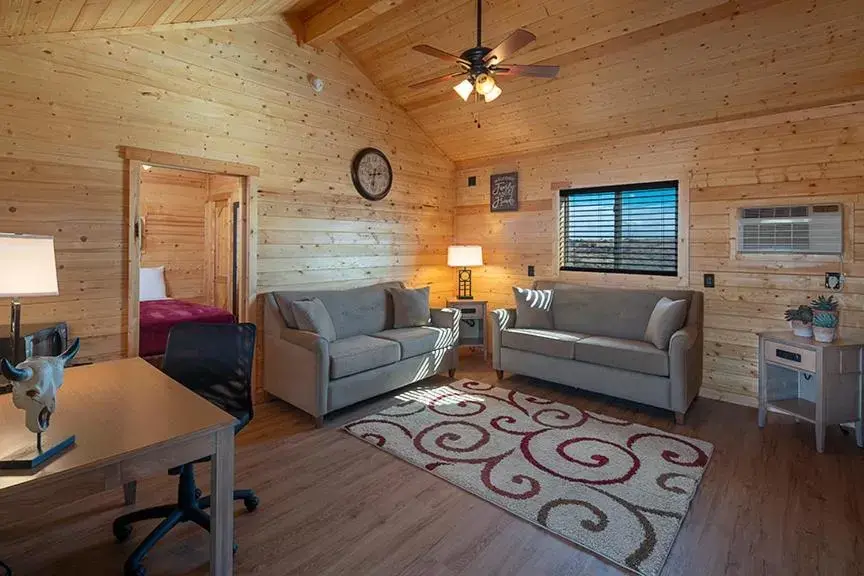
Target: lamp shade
[27, 266]
[464, 256]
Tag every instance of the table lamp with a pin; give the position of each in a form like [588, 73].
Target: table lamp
[462, 257]
[27, 268]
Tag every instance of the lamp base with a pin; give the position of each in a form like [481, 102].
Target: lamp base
[32, 456]
[463, 291]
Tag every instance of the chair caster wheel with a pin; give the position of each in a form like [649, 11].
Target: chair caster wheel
[251, 503]
[234, 548]
[136, 571]
[121, 532]
[198, 493]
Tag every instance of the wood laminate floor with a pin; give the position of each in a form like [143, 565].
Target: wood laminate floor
[332, 505]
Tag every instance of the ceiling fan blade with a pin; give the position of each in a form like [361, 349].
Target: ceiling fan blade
[527, 70]
[513, 43]
[432, 81]
[435, 52]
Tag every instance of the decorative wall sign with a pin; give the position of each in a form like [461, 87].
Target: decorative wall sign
[372, 174]
[504, 192]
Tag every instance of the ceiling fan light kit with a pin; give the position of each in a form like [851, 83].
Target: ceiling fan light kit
[479, 65]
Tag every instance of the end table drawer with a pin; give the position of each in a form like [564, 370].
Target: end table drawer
[792, 356]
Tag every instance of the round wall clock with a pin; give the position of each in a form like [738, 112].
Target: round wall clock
[372, 174]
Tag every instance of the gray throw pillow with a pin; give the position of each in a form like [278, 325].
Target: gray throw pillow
[666, 319]
[533, 308]
[410, 307]
[311, 315]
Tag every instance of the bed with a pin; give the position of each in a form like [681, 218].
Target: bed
[157, 317]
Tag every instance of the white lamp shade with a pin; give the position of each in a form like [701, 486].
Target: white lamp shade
[27, 266]
[464, 89]
[464, 256]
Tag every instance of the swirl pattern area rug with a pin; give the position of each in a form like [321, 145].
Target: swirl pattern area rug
[620, 490]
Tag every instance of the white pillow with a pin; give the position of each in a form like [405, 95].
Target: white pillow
[152, 284]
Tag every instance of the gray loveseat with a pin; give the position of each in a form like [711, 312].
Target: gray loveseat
[368, 357]
[597, 344]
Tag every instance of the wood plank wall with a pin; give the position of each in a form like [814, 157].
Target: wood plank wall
[803, 157]
[172, 203]
[233, 93]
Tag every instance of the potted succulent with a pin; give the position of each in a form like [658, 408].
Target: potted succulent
[825, 304]
[800, 319]
[824, 326]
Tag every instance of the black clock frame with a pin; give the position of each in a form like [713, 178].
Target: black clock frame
[355, 177]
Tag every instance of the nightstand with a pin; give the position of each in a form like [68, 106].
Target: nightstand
[472, 330]
[812, 381]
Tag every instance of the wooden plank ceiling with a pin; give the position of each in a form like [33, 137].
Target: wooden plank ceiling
[627, 66]
[25, 17]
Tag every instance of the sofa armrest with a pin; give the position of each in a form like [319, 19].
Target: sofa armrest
[685, 366]
[297, 369]
[446, 318]
[502, 318]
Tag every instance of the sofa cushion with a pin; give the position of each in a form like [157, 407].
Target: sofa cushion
[360, 353]
[631, 355]
[546, 342]
[667, 318]
[614, 312]
[533, 308]
[418, 340]
[410, 306]
[312, 316]
[354, 311]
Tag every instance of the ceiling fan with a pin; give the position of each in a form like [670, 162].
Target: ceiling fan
[480, 65]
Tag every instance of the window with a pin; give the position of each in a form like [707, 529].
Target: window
[629, 229]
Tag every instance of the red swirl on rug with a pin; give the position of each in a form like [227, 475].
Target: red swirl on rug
[621, 490]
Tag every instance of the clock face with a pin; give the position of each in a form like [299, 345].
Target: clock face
[372, 174]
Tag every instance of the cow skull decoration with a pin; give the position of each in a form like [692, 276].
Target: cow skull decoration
[35, 383]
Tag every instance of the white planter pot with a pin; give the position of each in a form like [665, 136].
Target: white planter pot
[801, 329]
[824, 334]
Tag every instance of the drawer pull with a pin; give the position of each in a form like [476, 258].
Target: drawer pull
[786, 355]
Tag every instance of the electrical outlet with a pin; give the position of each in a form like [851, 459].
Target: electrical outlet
[530, 270]
[708, 280]
[834, 280]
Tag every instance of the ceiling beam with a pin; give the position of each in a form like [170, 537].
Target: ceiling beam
[336, 20]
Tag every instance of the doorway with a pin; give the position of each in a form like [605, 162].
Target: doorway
[192, 221]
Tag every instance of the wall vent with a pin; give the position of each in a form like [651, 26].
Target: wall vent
[791, 229]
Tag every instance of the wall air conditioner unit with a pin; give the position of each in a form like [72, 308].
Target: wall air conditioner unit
[791, 229]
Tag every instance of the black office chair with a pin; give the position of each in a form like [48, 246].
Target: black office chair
[215, 362]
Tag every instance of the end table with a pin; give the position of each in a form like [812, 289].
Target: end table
[472, 331]
[812, 381]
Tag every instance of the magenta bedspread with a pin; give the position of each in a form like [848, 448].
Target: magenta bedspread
[158, 316]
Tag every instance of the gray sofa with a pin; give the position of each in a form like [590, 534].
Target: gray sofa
[597, 344]
[368, 357]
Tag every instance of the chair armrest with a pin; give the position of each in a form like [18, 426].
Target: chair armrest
[502, 318]
[685, 367]
[297, 369]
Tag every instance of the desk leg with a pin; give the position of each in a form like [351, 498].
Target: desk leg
[859, 433]
[222, 505]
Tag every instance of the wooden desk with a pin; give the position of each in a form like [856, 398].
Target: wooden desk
[130, 422]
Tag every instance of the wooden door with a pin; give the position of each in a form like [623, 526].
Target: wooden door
[223, 254]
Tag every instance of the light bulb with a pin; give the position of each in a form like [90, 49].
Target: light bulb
[496, 91]
[485, 84]
[464, 89]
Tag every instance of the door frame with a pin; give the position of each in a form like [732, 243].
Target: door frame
[134, 160]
